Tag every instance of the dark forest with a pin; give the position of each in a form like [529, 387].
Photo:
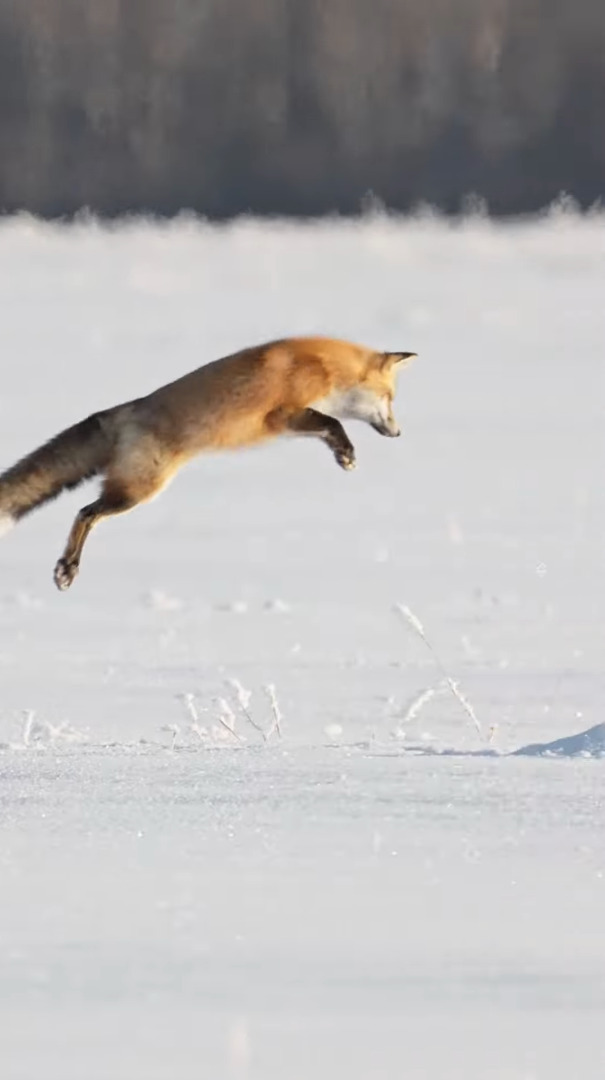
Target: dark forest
[299, 107]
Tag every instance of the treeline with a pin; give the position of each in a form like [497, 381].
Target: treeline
[299, 106]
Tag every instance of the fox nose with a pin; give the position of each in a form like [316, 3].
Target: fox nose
[390, 429]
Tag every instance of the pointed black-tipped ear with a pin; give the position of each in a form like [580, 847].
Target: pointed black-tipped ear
[398, 359]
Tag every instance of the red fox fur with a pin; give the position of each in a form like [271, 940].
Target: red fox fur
[295, 386]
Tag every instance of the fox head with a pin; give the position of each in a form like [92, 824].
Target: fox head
[367, 390]
[376, 390]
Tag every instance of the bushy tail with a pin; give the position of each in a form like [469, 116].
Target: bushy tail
[74, 455]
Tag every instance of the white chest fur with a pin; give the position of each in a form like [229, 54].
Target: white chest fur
[355, 403]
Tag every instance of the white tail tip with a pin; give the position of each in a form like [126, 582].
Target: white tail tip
[6, 523]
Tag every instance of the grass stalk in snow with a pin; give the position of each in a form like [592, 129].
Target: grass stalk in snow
[412, 620]
[418, 702]
[243, 700]
[227, 719]
[29, 718]
[275, 709]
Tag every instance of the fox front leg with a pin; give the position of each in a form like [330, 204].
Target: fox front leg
[329, 430]
[340, 444]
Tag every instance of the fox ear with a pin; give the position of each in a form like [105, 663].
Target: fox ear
[397, 359]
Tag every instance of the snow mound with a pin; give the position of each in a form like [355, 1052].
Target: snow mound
[590, 743]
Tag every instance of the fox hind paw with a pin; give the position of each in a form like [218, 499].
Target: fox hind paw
[64, 573]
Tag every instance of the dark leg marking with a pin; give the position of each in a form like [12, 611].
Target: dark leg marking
[329, 430]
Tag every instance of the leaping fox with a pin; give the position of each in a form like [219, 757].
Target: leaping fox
[295, 386]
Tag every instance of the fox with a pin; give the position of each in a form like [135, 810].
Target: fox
[294, 386]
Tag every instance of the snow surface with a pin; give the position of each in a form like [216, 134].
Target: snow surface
[383, 892]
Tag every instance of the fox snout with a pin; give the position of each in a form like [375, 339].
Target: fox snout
[388, 427]
[383, 421]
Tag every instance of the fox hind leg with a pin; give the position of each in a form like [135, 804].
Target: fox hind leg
[117, 497]
[108, 504]
[68, 565]
[329, 430]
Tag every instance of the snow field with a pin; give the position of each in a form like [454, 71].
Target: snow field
[380, 890]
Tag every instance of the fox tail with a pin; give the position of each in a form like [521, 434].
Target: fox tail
[72, 456]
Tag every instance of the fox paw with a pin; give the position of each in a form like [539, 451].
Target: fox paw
[64, 574]
[346, 458]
